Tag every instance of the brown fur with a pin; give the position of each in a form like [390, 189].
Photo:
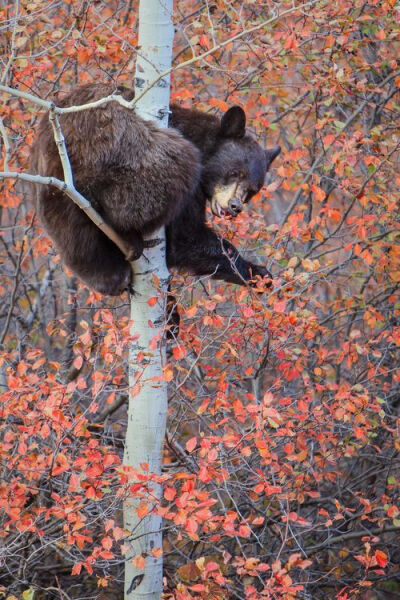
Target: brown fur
[140, 177]
[136, 175]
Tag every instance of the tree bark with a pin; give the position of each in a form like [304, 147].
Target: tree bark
[147, 409]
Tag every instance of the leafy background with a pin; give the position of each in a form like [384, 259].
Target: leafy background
[281, 465]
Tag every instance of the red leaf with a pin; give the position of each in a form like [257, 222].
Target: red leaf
[169, 493]
[179, 352]
[78, 362]
[318, 193]
[142, 510]
[191, 444]
[381, 558]
[191, 525]
[107, 542]
[76, 569]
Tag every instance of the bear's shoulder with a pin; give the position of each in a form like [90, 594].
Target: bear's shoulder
[200, 127]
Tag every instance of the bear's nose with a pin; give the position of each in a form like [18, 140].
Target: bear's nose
[235, 206]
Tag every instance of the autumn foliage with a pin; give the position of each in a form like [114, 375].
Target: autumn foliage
[281, 470]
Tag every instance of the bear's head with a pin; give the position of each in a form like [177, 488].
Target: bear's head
[236, 169]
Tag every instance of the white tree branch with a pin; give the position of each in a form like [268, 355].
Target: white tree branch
[72, 193]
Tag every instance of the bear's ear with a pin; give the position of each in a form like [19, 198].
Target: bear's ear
[233, 123]
[271, 154]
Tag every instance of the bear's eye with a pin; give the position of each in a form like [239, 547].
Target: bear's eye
[235, 174]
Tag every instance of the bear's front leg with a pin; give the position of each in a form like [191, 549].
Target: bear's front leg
[232, 267]
[258, 271]
[202, 252]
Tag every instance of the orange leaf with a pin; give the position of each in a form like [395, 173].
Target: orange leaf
[139, 562]
[107, 317]
[142, 510]
[381, 558]
[318, 193]
[191, 525]
[244, 531]
[198, 587]
[169, 493]
[78, 362]
[85, 337]
[118, 533]
[76, 569]
[212, 566]
[179, 352]
[168, 374]
[191, 444]
[107, 542]
[191, 311]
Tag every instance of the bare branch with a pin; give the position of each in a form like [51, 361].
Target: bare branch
[320, 156]
[62, 149]
[132, 103]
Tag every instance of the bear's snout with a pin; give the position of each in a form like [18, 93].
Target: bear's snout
[235, 206]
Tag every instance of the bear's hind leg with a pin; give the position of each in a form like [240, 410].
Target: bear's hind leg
[106, 270]
[85, 249]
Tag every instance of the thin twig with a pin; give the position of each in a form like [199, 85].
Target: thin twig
[324, 151]
[351, 535]
[132, 103]
[15, 286]
[13, 38]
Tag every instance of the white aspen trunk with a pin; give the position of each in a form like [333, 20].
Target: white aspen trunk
[147, 410]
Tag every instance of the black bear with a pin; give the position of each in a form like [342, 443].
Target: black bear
[139, 177]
